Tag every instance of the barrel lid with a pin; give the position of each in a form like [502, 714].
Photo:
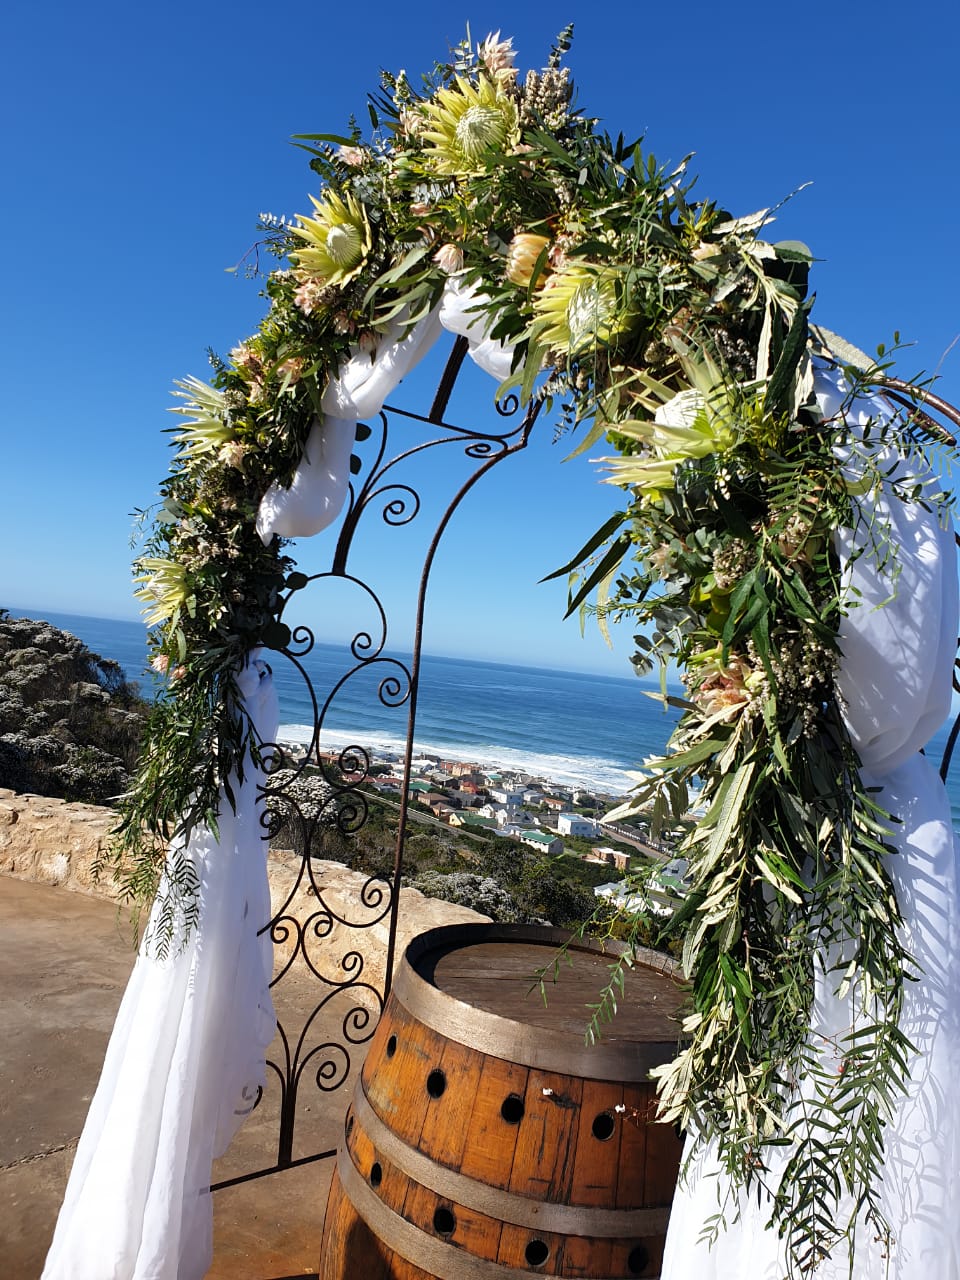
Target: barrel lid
[476, 984]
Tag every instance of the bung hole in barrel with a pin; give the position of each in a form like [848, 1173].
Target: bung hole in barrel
[512, 1109]
[638, 1260]
[436, 1083]
[444, 1221]
[603, 1126]
[536, 1253]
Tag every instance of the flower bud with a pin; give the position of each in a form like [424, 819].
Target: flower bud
[449, 258]
[522, 256]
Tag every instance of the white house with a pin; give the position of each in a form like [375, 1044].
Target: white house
[572, 824]
[618, 893]
[542, 841]
[511, 797]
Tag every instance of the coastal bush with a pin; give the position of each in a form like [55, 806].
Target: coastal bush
[70, 722]
[468, 889]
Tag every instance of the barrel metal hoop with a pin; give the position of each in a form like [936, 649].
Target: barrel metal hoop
[442, 1260]
[504, 1206]
[541, 1048]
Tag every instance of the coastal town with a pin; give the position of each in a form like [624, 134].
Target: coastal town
[543, 816]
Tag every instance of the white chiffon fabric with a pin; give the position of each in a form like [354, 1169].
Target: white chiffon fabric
[184, 1062]
[898, 643]
[186, 1055]
[317, 492]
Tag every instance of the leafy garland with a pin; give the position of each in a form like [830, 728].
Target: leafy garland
[676, 333]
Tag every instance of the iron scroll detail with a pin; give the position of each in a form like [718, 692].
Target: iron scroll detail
[317, 936]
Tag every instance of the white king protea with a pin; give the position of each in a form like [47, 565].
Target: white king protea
[338, 239]
[578, 309]
[206, 428]
[468, 126]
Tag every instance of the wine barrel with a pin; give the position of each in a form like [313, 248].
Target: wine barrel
[486, 1140]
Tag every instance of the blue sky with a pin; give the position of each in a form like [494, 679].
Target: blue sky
[142, 142]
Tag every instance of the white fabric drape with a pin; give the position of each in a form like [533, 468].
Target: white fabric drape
[898, 643]
[186, 1054]
[184, 1062]
[319, 487]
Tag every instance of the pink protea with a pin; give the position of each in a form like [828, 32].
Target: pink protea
[726, 688]
[497, 56]
[353, 156]
[449, 258]
[245, 357]
[307, 296]
[232, 453]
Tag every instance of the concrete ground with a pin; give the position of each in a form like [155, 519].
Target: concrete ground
[64, 962]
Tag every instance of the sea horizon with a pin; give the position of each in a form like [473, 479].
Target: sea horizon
[582, 729]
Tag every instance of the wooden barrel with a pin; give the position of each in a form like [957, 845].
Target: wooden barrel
[486, 1140]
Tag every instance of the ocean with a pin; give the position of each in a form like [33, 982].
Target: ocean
[577, 729]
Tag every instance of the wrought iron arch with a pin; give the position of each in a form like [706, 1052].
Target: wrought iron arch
[310, 1052]
[350, 998]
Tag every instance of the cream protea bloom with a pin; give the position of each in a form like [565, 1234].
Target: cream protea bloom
[726, 688]
[206, 429]
[525, 248]
[164, 589]
[353, 156]
[578, 309]
[467, 126]
[690, 425]
[309, 295]
[338, 239]
[449, 258]
[232, 453]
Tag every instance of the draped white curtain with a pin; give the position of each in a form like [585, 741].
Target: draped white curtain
[185, 1058]
[316, 495]
[186, 1054]
[898, 642]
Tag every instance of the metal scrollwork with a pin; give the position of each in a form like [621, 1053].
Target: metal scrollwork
[314, 797]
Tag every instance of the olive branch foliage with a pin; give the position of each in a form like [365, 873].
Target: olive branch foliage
[733, 575]
[667, 330]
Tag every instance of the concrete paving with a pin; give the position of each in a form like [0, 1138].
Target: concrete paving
[64, 962]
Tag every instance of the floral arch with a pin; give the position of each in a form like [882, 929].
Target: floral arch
[587, 279]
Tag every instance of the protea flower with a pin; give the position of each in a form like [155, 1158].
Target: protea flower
[207, 428]
[232, 453]
[468, 126]
[165, 588]
[578, 309]
[725, 689]
[522, 255]
[498, 57]
[449, 258]
[690, 425]
[338, 239]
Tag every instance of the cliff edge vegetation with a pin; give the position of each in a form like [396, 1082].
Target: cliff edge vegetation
[70, 721]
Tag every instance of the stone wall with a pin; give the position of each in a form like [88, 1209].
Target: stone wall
[53, 841]
[56, 842]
